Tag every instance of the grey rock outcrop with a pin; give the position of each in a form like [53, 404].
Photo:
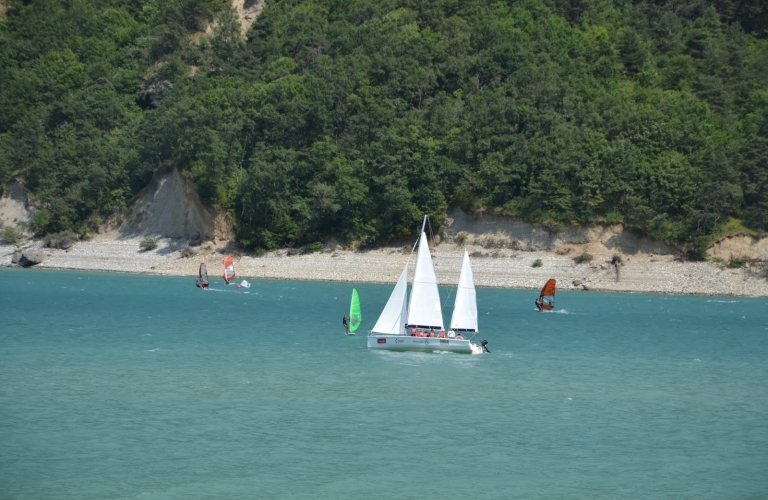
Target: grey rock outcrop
[247, 11]
[31, 257]
[156, 91]
[16, 257]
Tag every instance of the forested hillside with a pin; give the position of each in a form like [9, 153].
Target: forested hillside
[350, 119]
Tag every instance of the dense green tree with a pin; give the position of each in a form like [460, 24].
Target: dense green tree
[348, 119]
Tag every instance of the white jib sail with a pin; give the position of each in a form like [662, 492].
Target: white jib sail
[465, 308]
[392, 319]
[425, 310]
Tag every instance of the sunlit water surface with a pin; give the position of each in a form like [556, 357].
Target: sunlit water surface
[122, 387]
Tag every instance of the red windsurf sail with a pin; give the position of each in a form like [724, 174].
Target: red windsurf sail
[546, 300]
[202, 274]
[229, 269]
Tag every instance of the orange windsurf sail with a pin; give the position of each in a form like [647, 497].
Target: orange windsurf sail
[547, 296]
[229, 269]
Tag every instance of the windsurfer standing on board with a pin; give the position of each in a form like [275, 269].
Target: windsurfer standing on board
[345, 322]
[539, 303]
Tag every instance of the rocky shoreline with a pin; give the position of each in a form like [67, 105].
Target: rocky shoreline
[498, 268]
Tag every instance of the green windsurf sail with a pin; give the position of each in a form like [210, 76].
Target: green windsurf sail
[355, 316]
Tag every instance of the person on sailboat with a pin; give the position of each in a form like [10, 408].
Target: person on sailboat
[345, 322]
[539, 303]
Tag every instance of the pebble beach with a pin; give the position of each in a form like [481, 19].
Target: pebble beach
[501, 268]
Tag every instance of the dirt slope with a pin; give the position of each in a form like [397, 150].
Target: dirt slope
[740, 246]
[505, 232]
[14, 208]
[247, 11]
[170, 208]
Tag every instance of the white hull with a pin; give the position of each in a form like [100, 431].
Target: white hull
[423, 344]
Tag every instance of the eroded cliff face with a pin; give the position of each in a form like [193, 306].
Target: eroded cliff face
[507, 232]
[490, 230]
[14, 205]
[740, 246]
[170, 208]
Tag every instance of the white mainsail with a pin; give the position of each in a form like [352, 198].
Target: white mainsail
[392, 319]
[465, 308]
[424, 309]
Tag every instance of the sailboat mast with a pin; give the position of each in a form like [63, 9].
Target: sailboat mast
[416, 264]
[416, 243]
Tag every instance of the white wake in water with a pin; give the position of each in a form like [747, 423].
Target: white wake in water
[560, 311]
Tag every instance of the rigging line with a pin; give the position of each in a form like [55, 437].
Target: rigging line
[450, 292]
[413, 249]
[418, 237]
[431, 232]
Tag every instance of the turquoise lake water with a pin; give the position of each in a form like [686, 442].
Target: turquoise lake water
[145, 387]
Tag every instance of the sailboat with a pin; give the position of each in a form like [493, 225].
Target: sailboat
[355, 314]
[418, 325]
[202, 276]
[229, 269]
[546, 300]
